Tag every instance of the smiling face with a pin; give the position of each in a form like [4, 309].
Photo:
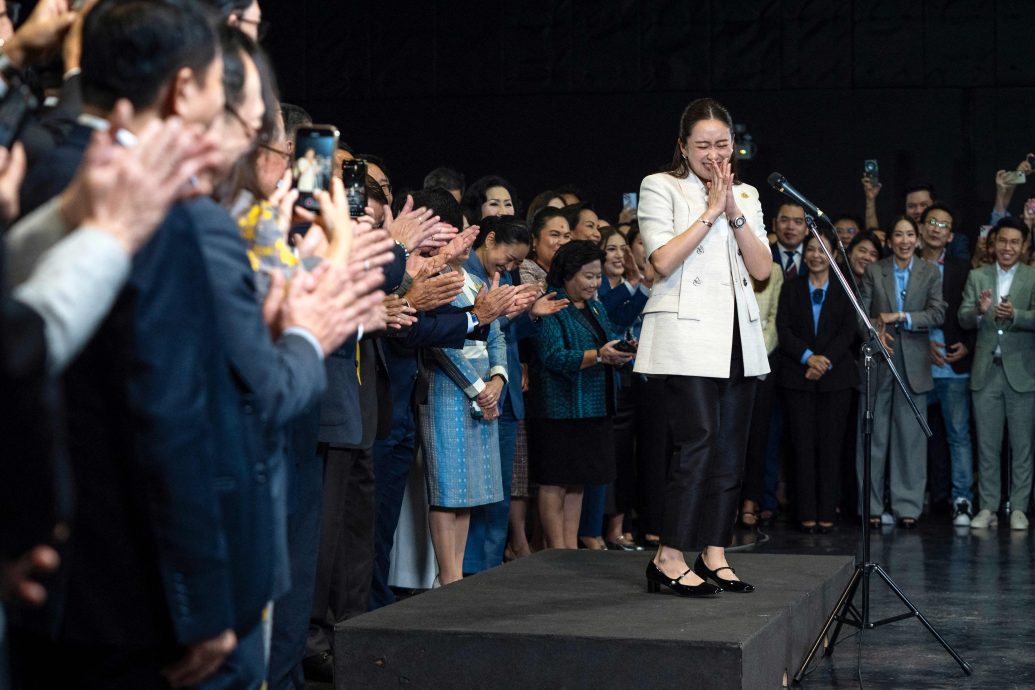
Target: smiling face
[903, 242]
[1008, 243]
[552, 237]
[583, 285]
[710, 142]
[586, 228]
[614, 264]
[863, 254]
[815, 259]
[497, 202]
[789, 225]
[501, 256]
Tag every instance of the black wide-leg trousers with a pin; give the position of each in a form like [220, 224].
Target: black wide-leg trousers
[710, 419]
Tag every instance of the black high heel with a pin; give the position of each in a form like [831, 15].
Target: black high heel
[704, 573]
[656, 578]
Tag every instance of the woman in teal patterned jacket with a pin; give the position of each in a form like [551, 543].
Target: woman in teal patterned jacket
[572, 397]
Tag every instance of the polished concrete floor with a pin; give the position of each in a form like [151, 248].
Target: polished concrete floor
[977, 588]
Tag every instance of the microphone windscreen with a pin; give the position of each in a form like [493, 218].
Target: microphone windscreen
[776, 180]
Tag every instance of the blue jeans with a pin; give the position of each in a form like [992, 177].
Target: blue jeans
[487, 536]
[954, 397]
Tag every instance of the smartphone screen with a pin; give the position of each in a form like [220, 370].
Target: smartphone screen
[983, 231]
[629, 200]
[354, 175]
[314, 162]
[872, 170]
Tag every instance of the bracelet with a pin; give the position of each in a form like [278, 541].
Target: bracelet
[706, 222]
[598, 356]
[901, 316]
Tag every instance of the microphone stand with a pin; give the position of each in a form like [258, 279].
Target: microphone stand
[845, 612]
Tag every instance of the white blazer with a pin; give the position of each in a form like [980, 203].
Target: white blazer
[688, 320]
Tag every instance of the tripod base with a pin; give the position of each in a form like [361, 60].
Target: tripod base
[846, 613]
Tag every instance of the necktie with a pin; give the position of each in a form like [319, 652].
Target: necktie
[790, 270]
[817, 296]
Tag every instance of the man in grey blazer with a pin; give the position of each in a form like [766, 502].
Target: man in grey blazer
[999, 301]
[902, 294]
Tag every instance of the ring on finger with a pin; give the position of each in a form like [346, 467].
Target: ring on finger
[366, 265]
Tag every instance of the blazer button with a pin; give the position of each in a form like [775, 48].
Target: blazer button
[740, 253]
[700, 249]
[697, 281]
[745, 281]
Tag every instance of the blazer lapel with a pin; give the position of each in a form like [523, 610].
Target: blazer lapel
[916, 289]
[890, 287]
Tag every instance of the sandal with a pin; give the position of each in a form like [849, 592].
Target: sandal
[875, 523]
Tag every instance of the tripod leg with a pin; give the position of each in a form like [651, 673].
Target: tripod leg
[930, 628]
[839, 610]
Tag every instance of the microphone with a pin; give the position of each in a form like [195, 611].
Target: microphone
[780, 184]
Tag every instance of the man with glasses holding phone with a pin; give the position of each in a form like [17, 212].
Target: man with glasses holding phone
[951, 350]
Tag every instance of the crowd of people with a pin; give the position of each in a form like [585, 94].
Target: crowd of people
[215, 398]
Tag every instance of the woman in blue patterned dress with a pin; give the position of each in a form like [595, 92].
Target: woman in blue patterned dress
[458, 433]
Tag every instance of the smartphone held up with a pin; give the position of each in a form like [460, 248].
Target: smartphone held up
[314, 163]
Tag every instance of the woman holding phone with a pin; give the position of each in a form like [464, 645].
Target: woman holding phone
[705, 237]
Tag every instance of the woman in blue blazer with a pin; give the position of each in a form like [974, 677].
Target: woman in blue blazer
[573, 400]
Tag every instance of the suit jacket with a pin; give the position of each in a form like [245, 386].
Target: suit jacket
[1018, 339]
[561, 388]
[833, 339]
[29, 469]
[167, 486]
[780, 259]
[954, 278]
[688, 319]
[54, 170]
[923, 303]
[622, 308]
[278, 382]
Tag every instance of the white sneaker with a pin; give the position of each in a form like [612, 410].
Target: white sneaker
[961, 513]
[1018, 520]
[984, 519]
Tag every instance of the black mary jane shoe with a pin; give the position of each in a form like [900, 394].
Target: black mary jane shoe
[907, 523]
[704, 573]
[806, 529]
[656, 578]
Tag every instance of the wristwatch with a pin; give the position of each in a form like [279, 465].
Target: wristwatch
[738, 223]
[474, 319]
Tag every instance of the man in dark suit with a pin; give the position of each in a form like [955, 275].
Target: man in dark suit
[951, 357]
[789, 226]
[168, 493]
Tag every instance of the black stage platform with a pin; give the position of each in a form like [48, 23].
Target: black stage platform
[583, 619]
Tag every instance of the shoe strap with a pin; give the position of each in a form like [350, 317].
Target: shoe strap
[725, 567]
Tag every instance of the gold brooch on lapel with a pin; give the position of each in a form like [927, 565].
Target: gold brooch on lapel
[743, 195]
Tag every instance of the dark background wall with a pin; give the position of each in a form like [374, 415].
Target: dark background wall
[552, 91]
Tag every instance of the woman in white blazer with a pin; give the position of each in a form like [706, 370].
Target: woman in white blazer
[705, 237]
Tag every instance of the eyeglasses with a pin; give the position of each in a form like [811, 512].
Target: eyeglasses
[274, 149]
[13, 11]
[262, 27]
[848, 229]
[943, 224]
